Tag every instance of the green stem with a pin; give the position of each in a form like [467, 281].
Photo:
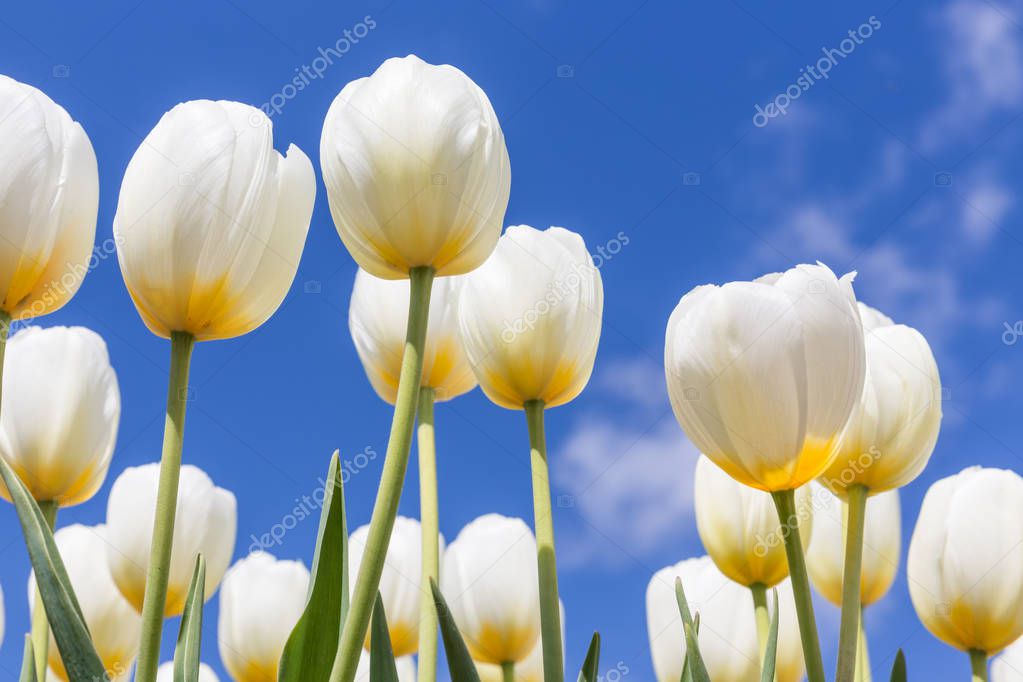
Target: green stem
[158, 573]
[763, 618]
[978, 665]
[385, 509]
[550, 611]
[785, 501]
[863, 653]
[40, 626]
[508, 671]
[848, 632]
[430, 525]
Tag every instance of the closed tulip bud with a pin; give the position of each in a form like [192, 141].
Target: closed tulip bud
[728, 631]
[740, 529]
[405, 665]
[1008, 667]
[206, 523]
[377, 319]
[825, 555]
[763, 375]
[399, 588]
[112, 621]
[894, 426]
[531, 317]
[61, 408]
[528, 670]
[260, 603]
[416, 169]
[966, 559]
[489, 577]
[49, 195]
[211, 221]
[166, 673]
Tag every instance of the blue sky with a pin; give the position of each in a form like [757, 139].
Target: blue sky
[631, 117]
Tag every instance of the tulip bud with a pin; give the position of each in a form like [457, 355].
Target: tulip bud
[531, 317]
[260, 603]
[61, 407]
[489, 577]
[113, 623]
[49, 195]
[211, 221]
[399, 588]
[528, 670]
[893, 427]
[740, 529]
[377, 319]
[1008, 667]
[825, 555]
[416, 169]
[728, 631]
[405, 666]
[763, 375]
[966, 559]
[206, 523]
[166, 673]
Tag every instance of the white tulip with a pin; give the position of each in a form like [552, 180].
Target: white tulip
[763, 375]
[531, 317]
[966, 559]
[405, 665]
[728, 631]
[893, 428]
[206, 523]
[377, 319]
[1008, 667]
[260, 603]
[166, 673]
[528, 670]
[113, 622]
[400, 581]
[211, 221]
[489, 580]
[740, 529]
[61, 408]
[416, 169]
[49, 195]
[882, 542]
[872, 318]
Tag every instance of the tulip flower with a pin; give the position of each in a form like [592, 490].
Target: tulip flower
[530, 320]
[400, 588]
[762, 377]
[489, 578]
[728, 634]
[965, 561]
[417, 179]
[1008, 667]
[260, 603]
[49, 195]
[166, 673]
[529, 670]
[406, 667]
[206, 523]
[210, 226]
[113, 623]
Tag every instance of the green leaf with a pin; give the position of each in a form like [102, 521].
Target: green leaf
[695, 659]
[28, 662]
[771, 653]
[591, 666]
[460, 664]
[381, 655]
[186, 653]
[312, 645]
[59, 601]
[899, 668]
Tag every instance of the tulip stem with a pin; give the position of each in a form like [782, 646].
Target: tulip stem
[763, 619]
[978, 665]
[785, 501]
[430, 526]
[848, 633]
[385, 509]
[508, 671]
[158, 574]
[40, 626]
[863, 654]
[550, 611]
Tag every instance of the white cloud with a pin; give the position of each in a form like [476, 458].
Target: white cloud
[639, 380]
[984, 207]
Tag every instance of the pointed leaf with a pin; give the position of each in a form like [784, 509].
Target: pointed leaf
[186, 653]
[699, 670]
[591, 666]
[28, 662]
[309, 653]
[771, 653]
[59, 601]
[899, 669]
[381, 655]
[460, 664]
